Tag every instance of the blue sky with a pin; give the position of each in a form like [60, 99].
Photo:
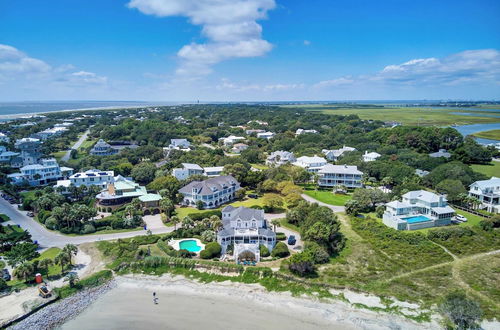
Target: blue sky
[230, 50]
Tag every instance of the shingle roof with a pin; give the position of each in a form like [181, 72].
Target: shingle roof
[340, 169]
[209, 186]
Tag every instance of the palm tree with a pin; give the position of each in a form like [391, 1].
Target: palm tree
[216, 224]
[45, 264]
[70, 250]
[175, 220]
[72, 278]
[24, 270]
[275, 223]
[130, 210]
[62, 259]
[167, 206]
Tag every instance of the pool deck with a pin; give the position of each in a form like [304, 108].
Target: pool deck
[175, 243]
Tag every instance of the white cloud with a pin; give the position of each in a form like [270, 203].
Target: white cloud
[307, 42]
[14, 62]
[471, 66]
[229, 25]
[227, 85]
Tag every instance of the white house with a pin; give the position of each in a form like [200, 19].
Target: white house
[370, 156]
[4, 138]
[440, 153]
[179, 144]
[46, 171]
[213, 171]
[230, 140]
[488, 192]
[301, 131]
[88, 178]
[50, 132]
[212, 192]
[418, 209]
[246, 229]
[335, 154]
[254, 131]
[239, 147]
[265, 135]
[311, 164]
[340, 175]
[278, 158]
[187, 170]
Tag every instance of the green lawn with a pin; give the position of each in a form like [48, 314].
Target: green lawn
[51, 254]
[87, 144]
[260, 166]
[59, 154]
[326, 196]
[494, 134]
[405, 115]
[493, 169]
[4, 218]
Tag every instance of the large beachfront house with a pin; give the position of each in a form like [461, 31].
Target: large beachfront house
[246, 229]
[311, 164]
[418, 209]
[278, 158]
[118, 193]
[340, 175]
[212, 192]
[88, 178]
[46, 171]
[488, 192]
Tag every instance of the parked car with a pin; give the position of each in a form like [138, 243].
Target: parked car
[461, 218]
[255, 196]
[30, 214]
[5, 275]
[291, 240]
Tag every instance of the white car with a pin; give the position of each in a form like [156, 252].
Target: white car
[461, 218]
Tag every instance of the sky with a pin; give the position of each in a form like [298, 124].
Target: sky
[249, 50]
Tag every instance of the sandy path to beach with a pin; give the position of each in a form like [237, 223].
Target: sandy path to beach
[185, 304]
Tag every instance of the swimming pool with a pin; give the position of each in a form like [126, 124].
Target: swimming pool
[190, 244]
[419, 218]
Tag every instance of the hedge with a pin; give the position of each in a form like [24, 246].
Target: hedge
[207, 214]
[280, 250]
[212, 250]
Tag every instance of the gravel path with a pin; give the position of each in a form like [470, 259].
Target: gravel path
[56, 314]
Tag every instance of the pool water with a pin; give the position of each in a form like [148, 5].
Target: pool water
[191, 245]
[416, 219]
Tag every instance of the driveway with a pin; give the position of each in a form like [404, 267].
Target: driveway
[334, 208]
[75, 146]
[47, 238]
[298, 245]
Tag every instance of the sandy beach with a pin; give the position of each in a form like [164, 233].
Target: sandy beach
[185, 304]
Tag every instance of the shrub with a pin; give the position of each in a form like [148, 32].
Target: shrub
[104, 222]
[117, 223]
[51, 223]
[200, 205]
[447, 233]
[302, 264]
[280, 236]
[207, 214]
[462, 311]
[145, 239]
[318, 253]
[183, 253]
[88, 229]
[264, 251]
[3, 285]
[211, 250]
[43, 215]
[280, 250]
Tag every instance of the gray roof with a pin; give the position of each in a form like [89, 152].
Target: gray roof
[209, 186]
[244, 213]
[189, 166]
[340, 169]
[483, 184]
[422, 195]
[440, 153]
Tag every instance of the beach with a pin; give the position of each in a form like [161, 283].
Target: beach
[185, 304]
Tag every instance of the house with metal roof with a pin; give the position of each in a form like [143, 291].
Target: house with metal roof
[246, 229]
[187, 170]
[280, 157]
[48, 170]
[440, 153]
[370, 156]
[88, 178]
[488, 192]
[311, 164]
[4, 138]
[418, 209]
[340, 175]
[336, 154]
[265, 135]
[30, 150]
[301, 131]
[212, 192]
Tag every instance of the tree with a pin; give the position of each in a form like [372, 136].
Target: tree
[24, 270]
[44, 265]
[144, 172]
[175, 220]
[275, 223]
[368, 198]
[71, 278]
[452, 188]
[21, 252]
[280, 250]
[462, 311]
[167, 206]
[301, 263]
[352, 207]
[215, 222]
[187, 222]
[237, 170]
[62, 259]
[167, 186]
[293, 199]
[272, 202]
[208, 236]
[71, 250]
[200, 205]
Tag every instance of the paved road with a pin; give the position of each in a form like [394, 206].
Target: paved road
[48, 238]
[75, 146]
[334, 208]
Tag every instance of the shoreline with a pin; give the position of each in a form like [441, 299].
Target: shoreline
[185, 294]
